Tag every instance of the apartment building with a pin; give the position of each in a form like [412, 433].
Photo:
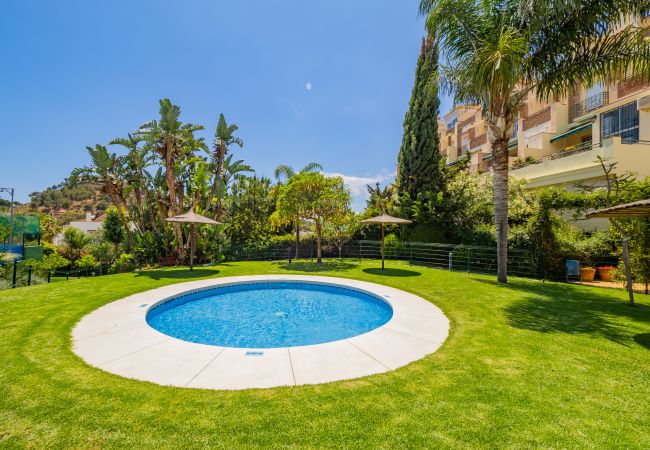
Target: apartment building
[462, 134]
[560, 141]
[557, 143]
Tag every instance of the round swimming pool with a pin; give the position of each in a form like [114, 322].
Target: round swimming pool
[269, 314]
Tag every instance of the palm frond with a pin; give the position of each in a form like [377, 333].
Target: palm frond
[284, 171]
[312, 167]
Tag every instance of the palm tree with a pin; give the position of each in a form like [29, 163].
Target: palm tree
[74, 241]
[382, 198]
[498, 51]
[135, 161]
[224, 137]
[106, 169]
[283, 173]
[171, 141]
[231, 171]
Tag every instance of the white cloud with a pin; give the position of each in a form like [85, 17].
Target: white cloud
[357, 185]
[308, 86]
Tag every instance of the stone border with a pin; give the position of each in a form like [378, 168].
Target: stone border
[116, 338]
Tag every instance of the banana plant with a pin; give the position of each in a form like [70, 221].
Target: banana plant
[107, 170]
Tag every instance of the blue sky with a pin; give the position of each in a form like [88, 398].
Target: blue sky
[78, 73]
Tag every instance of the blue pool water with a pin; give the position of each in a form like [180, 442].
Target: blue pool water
[270, 314]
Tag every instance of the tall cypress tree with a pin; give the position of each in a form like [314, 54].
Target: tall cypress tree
[418, 164]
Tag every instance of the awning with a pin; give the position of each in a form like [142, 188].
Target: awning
[577, 129]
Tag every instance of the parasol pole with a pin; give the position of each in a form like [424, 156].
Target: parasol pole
[192, 245]
[382, 246]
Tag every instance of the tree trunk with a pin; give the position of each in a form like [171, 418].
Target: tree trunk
[626, 260]
[123, 209]
[171, 187]
[499, 131]
[219, 157]
[319, 250]
[138, 201]
[297, 236]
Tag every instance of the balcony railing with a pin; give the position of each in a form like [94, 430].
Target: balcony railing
[631, 140]
[632, 84]
[574, 150]
[481, 167]
[591, 103]
[537, 118]
[567, 151]
[478, 141]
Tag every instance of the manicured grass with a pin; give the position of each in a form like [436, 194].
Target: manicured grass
[526, 365]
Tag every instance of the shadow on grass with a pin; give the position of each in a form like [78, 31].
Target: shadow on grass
[643, 339]
[564, 308]
[325, 266]
[389, 272]
[179, 274]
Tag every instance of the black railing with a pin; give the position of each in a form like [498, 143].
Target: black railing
[591, 103]
[454, 257]
[575, 149]
[24, 273]
[632, 140]
[567, 151]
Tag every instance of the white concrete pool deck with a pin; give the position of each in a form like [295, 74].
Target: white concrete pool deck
[116, 338]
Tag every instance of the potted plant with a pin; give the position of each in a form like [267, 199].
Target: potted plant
[605, 273]
[587, 274]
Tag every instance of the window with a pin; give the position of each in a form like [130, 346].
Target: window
[622, 121]
[596, 89]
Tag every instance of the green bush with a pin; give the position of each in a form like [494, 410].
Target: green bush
[86, 262]
[124, 263]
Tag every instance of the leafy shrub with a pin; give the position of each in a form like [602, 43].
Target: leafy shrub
[124, 263]
[86, 262]
[392, 244]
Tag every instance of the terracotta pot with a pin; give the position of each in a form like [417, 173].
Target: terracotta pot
[587, 274]
[605, 273]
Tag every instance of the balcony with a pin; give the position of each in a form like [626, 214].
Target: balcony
[483, 166]
[579, 163]
[537, 118]
[477, 141]
[631, 85]
[591, 103]
[566, 151]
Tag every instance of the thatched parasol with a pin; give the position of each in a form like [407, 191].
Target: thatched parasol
[385, 219]
[634, 209]
[192, 218]
[627, 210]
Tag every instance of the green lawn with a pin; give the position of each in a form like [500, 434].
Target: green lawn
[526, 365]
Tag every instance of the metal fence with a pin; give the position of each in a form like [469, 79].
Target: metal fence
[464, 258]
[23, 273]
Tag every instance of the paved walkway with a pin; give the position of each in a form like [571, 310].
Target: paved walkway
[117, 339]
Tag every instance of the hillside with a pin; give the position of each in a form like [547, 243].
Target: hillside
[67, 202]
